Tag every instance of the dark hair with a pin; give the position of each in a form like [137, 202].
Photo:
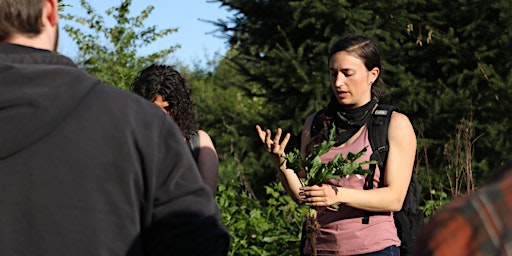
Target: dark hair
[20, 16]
[166, 81]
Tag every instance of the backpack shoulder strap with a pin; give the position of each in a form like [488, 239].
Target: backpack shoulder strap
[378, 133]
[193, 143]
[378, 136]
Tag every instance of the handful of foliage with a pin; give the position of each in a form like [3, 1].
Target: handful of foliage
[317, 173]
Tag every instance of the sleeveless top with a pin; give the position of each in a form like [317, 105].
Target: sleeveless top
[193, 144]
[342, 232]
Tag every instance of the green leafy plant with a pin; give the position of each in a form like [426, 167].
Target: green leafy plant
[257, 226]
[437, 201]
[317, 173]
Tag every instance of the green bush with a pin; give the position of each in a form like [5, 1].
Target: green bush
[439, 199]
[270, 227]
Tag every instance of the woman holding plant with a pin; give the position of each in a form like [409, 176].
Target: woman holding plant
[342, 202]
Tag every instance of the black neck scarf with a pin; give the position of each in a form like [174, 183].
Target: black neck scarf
[348, 120]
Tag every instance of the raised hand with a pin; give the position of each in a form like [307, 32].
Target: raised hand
[274, 146]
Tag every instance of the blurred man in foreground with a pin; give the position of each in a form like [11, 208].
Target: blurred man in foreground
[476, 224]
[85, 168]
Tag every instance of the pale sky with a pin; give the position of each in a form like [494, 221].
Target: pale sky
[192, 33]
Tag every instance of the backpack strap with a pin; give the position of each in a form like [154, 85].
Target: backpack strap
[378, 133]
[193, 143]
[378, 136]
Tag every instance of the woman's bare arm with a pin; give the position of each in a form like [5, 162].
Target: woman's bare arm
[208, 161]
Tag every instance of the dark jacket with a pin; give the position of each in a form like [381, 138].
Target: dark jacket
[88, 169]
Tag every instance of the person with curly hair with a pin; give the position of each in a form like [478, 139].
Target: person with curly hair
[164, 86]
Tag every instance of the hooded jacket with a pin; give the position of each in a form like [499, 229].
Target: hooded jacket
[88, 169]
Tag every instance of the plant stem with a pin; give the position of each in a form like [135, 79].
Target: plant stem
[312, 229]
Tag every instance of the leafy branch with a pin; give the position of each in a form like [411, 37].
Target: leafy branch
[317, 172]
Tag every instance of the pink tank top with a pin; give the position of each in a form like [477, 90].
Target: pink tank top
[342, 232]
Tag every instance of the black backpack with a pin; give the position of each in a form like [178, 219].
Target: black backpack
[410, 219]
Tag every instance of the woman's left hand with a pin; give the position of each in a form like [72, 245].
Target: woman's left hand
[323, 195]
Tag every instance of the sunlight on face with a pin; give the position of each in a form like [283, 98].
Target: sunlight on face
[350, 80]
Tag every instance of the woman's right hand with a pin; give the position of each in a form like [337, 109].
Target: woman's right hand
[274, 146]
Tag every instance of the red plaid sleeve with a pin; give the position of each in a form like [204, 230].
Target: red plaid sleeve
[478, 224]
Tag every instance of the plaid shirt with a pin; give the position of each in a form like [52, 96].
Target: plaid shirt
[476, 224]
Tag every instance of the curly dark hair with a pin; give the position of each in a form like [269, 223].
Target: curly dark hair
[166, 81]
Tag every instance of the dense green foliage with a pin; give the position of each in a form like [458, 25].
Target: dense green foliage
[446, 65]
[261, 227]
[229, 115]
